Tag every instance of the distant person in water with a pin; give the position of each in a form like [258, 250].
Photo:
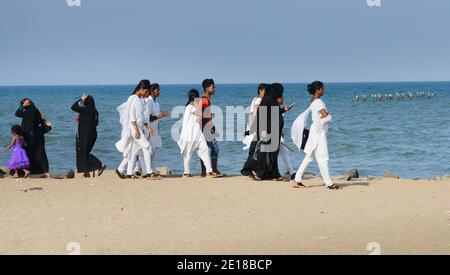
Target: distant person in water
[155, 115]
[19, 160]
[316, 147]
[136, 131]
[208, 128]
[86, 136]
[192, 138]
[33, 128]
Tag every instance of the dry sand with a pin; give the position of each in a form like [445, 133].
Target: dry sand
[223, 216]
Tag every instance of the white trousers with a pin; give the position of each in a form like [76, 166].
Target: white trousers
[154, 155]
[123, 166]
[140, 150]
[323, 167]
[286, 159]
[203, 153]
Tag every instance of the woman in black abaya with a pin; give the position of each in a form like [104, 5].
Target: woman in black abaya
[33, 128]
[86, 136]
[265, 166]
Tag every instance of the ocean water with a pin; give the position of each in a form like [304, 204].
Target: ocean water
[408, 137]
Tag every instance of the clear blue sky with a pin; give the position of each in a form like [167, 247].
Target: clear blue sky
[234, 41]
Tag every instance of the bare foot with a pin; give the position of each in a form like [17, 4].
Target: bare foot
[27, 173]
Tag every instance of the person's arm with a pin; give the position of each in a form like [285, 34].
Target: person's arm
[149, 129]
[326, 117]
[162, 115]
[79, 106]
[21, 112]
[9, 146]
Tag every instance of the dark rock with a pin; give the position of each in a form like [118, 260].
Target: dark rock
[391, 175]
[352, 174]
[67, 175]
[4, 171]
[164, 171]
[71, 174]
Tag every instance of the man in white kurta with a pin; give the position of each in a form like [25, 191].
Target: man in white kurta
[316, 147]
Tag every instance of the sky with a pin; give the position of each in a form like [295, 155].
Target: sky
[47, 42]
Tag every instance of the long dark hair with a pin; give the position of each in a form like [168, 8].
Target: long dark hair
[16, 129]
[143, 84]
[192, 95]
[314, 86]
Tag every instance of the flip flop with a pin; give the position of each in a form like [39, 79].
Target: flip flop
[121, 175]
[101, 170]
[298, 185]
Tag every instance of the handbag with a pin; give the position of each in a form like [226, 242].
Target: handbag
[46, 126]
[305, 138]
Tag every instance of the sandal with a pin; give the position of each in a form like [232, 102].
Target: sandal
[101, 170]
[121, 175]
[256, 176]
[333, 187]
[154, 176]
[187, 176]
[213, 175]
[298, 185]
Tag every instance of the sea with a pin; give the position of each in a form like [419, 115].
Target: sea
[410, 137]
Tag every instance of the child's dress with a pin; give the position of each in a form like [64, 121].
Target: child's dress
[19, 159]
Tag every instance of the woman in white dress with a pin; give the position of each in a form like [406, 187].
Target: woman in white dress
[134, 143]
[316, 147]
[192, 138]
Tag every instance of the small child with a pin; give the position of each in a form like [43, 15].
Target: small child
[19, 159]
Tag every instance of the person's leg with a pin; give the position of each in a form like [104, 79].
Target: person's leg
[306, 161]
[132, 159]
[147, 160]
[138, 167]
[186, 162]
[202, 165]
[323, 167]
[250, 163]
[123, 166]
[203, 153]
[214, 153]
[154, 156]
[287, 159]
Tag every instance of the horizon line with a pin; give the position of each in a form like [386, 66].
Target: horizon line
[223, 83]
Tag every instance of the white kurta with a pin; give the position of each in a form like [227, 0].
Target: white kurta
[154, 110]
[248, 139]
[191, 132]
[317, 139]
[133, 111]
[317, 146]
[124, 144]
[192, 139]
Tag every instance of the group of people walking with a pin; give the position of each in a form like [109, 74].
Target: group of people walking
[141, 141]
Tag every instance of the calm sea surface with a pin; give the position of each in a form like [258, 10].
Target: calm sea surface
[408, 137]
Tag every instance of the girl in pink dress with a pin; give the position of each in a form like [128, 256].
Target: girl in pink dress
[19, 159]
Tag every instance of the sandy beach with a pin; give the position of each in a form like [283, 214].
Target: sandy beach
[232, 215]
